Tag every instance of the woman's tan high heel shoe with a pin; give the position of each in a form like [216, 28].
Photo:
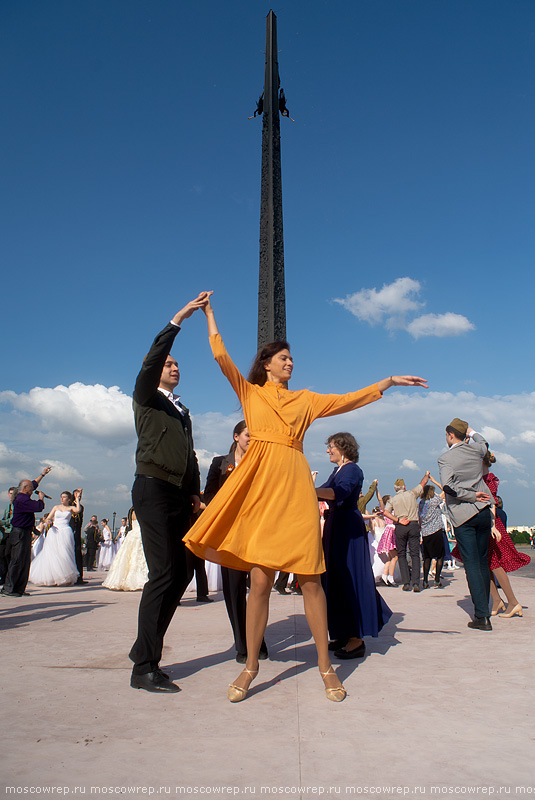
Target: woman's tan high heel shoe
[501, 607]
[235, 693]
[516, 611]
[336, 693]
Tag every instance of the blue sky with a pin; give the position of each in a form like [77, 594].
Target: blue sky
[131, 180]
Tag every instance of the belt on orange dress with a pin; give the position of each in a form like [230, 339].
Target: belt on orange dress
[278, 438]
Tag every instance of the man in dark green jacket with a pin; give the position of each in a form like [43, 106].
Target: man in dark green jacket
[165, 494]
[5, 530]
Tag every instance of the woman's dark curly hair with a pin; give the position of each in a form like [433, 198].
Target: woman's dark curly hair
[347, 444]
[257, 373]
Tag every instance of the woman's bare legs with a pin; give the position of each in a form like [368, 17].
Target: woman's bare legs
[505, 584]
[392, 561]
[316, 614]
[256, 620]
[496, 599]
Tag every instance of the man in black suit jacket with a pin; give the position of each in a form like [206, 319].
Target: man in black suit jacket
[76, 522]
[165, 494]
[92, 538]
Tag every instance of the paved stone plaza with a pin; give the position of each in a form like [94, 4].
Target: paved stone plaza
[433, 704]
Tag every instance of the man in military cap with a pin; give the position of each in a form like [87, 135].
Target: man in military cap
[469, 507]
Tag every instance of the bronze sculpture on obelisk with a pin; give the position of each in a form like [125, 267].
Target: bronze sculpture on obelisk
[271, 291]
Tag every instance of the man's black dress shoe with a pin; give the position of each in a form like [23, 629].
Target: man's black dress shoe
[480, 624]
[338, 643]
[80, 582]
[10, 594]
[281, 590]
[204, 599]
[156, 668]
[153, 682]
[406, 587]
[416, 587]
[357, 652]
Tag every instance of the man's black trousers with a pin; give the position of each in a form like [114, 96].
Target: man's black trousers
[163, 512]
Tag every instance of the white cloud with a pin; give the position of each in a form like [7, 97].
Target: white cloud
[492, 435]
[62, 472]
[448, 324]
[14, 466]
[507, 460]
[205, 458]
[528, 437]
[405, 427]
[114, 494]
[100, 412]
[395, 302]
[407, 463]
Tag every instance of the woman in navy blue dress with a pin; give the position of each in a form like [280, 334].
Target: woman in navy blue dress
[354, 606]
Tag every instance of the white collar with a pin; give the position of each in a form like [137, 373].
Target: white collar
[174, 398]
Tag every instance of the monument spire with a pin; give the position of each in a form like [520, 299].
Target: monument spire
[271, 291]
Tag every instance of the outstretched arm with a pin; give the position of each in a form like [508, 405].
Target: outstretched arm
[228, 368]
[401, 380]
[379, 497]
[76, 508]
[42, 475]
[210, 317]
[424, 480]
[149, 376]
[190, 307]
[438, 485]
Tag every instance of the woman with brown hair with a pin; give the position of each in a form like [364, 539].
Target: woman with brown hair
[266, 518]
[354, 606]
[234, 580]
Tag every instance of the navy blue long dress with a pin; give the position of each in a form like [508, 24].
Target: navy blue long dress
[354, 606]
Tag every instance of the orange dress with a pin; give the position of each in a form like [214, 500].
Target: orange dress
[266, 512]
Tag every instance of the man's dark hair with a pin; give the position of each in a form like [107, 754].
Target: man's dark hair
[456, 433]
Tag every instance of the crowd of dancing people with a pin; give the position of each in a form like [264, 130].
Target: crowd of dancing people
[339, 553]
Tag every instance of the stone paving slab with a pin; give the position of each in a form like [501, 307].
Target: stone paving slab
[433, 704]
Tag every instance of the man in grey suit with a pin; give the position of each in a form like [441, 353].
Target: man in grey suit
[468, 501]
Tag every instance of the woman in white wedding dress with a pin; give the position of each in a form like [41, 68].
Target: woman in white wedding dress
[129, 571]
[106, 551]
[55, 564]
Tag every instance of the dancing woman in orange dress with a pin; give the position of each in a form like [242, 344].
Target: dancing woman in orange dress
[274, 482]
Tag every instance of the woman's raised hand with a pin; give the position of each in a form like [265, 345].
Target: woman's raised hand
[186, 312]
[408, 380]
[401, 380]
[206, 304]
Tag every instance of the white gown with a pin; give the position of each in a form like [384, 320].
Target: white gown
[129, 571]
[37, 546]
[105, 553]
[55, 564]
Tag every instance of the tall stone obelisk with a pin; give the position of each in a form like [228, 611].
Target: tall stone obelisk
[271, 291]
